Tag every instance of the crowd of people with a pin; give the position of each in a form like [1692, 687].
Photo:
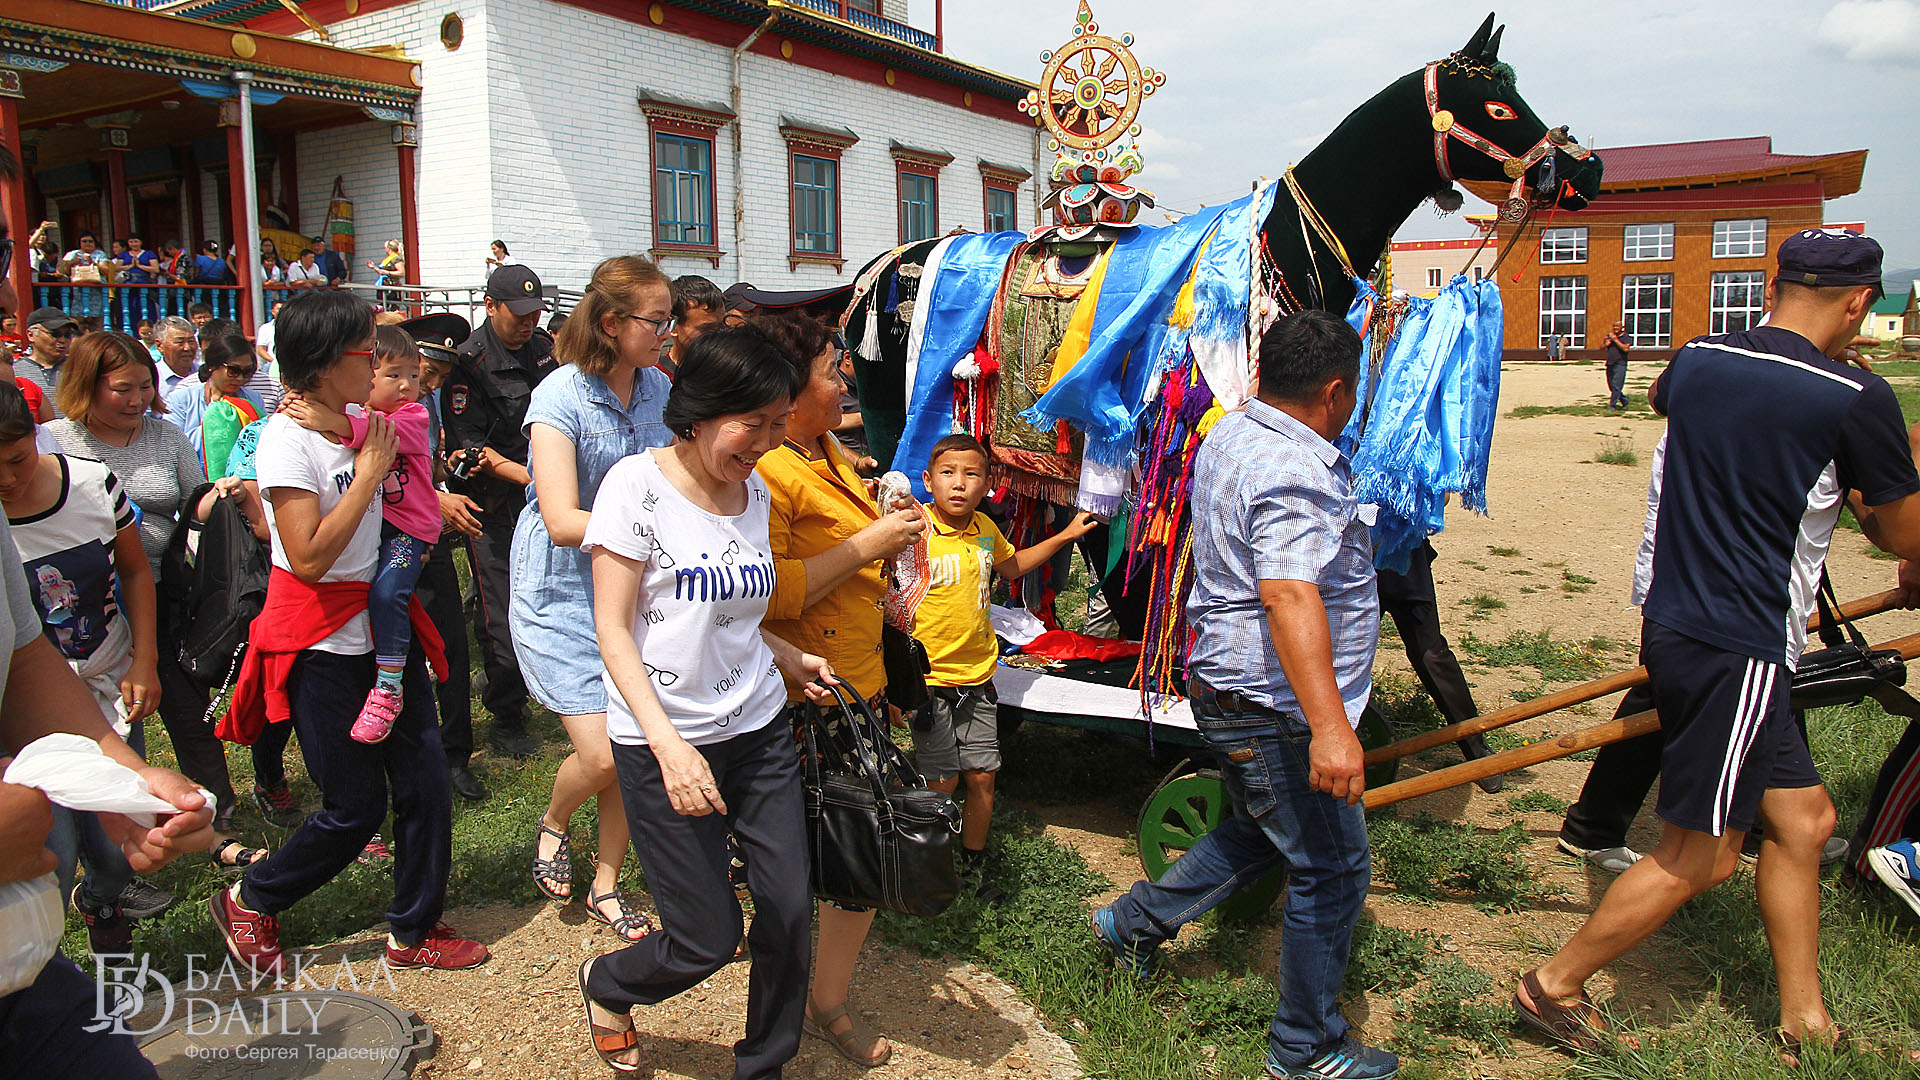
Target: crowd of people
[676, 548]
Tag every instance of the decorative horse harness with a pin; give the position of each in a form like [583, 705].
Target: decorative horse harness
[1446, 126]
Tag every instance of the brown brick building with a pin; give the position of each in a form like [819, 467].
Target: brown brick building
[1680, 243]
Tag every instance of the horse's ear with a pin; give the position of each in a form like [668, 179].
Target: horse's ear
[1478, 41]
[1492, 51]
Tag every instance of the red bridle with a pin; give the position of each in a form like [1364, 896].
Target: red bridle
[1447, 126]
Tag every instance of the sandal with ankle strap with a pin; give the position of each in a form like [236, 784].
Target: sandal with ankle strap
[857, 1033]
[1575, 1027]
[226, 857]
[549, 873]
[1788, 1046]
[608, 1041]
[630, 919]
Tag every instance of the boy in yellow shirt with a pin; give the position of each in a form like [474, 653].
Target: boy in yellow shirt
[956, 733]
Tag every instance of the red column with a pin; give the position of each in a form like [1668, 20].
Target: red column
[409, 214]
[243, 260]
[14, 198]
[192, 230]
[117, 196]
[939, 25]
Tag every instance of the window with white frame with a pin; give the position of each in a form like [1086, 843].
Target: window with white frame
[1563, 311]
[1564, 245]
[1736, 301]
[1740, 238]
[1646, 306]
[1433, 277]
[1648, 242]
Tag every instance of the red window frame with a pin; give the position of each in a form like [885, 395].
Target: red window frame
[667, 118]
[827, 146]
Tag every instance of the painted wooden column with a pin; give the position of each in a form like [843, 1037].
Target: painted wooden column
[115, 140]
[14, 195]
[406, 141]
[287, 154]
[246, 263]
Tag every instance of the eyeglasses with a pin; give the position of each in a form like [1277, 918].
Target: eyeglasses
[357, 352]
[661, 327]
[243, 372]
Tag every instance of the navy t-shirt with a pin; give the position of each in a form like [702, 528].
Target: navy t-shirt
[1765, 437]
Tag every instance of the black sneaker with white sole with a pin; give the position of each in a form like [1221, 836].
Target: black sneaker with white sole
[142, 899]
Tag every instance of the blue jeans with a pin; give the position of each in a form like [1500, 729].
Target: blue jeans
[79, 839]
[402, 558]
[1277, 819]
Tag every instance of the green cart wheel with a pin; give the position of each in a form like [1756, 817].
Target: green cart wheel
[1185, 807]
[1190, 801]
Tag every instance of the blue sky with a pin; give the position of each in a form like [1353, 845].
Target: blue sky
[1254, 84]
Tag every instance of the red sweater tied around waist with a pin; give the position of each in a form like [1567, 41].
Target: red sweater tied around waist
[299, 615]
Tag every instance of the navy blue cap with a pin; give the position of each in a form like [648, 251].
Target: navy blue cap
[1828, 257]
[440, 334]
[518, 287]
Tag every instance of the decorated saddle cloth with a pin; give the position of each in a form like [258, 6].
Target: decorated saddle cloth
[1030, 318]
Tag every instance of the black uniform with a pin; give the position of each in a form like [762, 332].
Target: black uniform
[1409, 600]
[486, 403]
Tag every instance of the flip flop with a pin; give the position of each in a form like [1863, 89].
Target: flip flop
[1570, 1026]
[608, 1041]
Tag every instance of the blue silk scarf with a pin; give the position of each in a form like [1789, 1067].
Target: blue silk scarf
[1429, 430]
[959, 299]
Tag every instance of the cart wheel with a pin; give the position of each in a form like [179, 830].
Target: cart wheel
[1185, 807]
[1374, 733]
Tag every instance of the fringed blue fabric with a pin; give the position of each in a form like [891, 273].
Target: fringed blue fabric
[960, 296]
[1104, 395]
[1430, 428]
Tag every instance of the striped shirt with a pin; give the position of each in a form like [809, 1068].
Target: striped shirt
[1273, 501]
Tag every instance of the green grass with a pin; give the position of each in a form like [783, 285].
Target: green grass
[1484, 601]
[1425, 858]
[1504, 552]
[1637, 409]
[1537, 801]
[1557, 661]
[1571, 582]
[1616, 450]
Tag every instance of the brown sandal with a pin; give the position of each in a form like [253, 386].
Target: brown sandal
[844, 1042]
[1574, 1027]
[608, 1041]
[1788, 1047]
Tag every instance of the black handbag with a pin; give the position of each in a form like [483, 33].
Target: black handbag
[877, 836]
[1846, 670]
[905, 660]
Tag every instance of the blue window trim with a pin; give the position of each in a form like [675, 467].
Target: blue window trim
[831, 190]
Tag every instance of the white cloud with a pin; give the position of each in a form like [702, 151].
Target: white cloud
[1874, 31]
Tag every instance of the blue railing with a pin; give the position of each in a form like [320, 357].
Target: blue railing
[838, 9]
[123, 307]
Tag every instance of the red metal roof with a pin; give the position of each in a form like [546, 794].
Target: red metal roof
[1723, 160]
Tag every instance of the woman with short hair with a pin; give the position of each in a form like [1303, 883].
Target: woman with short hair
[682, 573]
[604, 403]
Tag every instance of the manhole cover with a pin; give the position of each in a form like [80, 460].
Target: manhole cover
[320, 1033]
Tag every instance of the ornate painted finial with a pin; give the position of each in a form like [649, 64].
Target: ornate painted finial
[1089, 100]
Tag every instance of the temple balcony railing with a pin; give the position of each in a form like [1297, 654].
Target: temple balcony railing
[899, 31]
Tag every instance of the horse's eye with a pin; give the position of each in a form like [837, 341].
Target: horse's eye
[1500, 110]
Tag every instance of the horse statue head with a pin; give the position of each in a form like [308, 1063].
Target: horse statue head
[1484, 130]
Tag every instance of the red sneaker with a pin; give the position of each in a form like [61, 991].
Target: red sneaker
[442, 948]
[252, 938]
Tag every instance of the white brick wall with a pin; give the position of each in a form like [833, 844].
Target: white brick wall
[553, 156]
[362, 156]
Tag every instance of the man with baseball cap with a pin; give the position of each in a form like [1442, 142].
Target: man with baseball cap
[486, 403]
[49, 332]
[1768, 437]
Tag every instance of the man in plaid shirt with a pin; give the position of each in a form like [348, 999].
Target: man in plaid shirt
[1285, 617]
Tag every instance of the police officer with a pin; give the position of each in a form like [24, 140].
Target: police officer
[486, 403]
[439, 337]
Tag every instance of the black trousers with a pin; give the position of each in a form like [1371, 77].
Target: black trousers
[491, 560]
[51, 1029]
[439, 593]
[357, 782]
[686, 863]
[1409, 600]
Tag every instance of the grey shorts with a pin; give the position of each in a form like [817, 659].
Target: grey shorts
[958, 730]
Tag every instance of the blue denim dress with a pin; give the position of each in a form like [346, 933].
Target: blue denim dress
[551, 612]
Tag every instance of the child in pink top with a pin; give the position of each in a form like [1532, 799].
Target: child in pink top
[410, 506]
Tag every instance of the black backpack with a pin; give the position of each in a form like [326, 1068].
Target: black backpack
[216, 574]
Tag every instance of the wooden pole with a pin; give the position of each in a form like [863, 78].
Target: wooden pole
[1575, 695]
[1572, 742]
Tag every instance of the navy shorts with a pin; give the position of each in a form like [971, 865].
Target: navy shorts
[1729, 731]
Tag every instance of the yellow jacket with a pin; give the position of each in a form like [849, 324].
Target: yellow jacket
[818, 505]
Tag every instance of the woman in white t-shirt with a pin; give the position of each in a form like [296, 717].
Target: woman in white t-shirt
[682, 571]
[323, 514]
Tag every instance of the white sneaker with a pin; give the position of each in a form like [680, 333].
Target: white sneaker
[1898, 867]
[1613, 860]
